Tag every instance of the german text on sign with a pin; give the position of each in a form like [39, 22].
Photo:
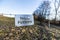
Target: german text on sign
[24, 19]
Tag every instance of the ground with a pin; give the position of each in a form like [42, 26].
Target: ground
[8, 31]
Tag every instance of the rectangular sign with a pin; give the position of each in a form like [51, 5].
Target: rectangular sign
[24, 19]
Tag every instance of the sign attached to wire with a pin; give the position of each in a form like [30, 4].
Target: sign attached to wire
[24, 20]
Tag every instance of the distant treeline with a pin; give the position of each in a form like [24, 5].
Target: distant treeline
[41, 19]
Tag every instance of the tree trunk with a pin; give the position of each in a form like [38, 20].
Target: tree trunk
[49, 23]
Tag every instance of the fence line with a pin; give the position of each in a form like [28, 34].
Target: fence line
[7, 14]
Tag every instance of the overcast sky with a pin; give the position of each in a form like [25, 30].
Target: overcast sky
[18, 6]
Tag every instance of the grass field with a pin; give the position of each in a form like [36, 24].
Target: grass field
[8, 31]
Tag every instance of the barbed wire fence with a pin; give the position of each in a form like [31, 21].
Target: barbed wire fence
[6, 14]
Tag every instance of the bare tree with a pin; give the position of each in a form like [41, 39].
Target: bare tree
[57, 5]
[43, 11]
[44, 7]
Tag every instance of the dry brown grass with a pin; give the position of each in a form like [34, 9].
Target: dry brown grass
[35, 32]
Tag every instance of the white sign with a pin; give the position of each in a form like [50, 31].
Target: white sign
[24, 19]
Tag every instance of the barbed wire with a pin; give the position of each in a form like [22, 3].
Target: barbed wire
[7, 14]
